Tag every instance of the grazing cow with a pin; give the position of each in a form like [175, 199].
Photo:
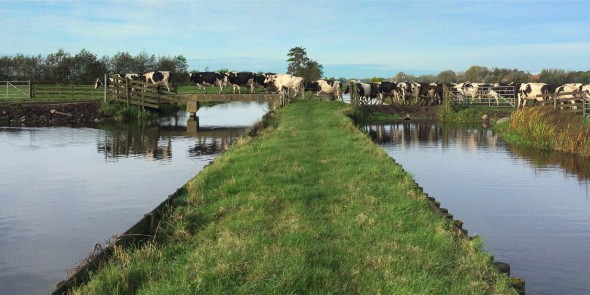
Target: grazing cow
[331, 87]
[158, 78]
[570, 87]
[285, 81]
[237, 79]
[530, 91]
[209, 78]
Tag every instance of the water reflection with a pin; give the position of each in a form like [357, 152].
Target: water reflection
[408, 134]
[530, 206]
[155, 142]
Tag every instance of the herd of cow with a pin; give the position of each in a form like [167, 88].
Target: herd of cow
[401, 92]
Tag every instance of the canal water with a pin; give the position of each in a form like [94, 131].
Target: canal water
[63, 189]
[531, 207]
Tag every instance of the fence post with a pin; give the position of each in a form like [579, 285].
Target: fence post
[127, 94]
[30, 89]
[555, 96]
[104, 84]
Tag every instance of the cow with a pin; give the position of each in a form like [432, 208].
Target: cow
[158, 78]
[209, 78]
[331, 87]
[260, 80]
[407, 90]
[311, 86]
[285, 82]
[387, 89]
[135, 77]
[99, 82]
[365, 91]
[530, 91]
[585, 89]
[237, 79]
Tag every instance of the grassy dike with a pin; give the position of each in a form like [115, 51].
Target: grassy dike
[309, 206]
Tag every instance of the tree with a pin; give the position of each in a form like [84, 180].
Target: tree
[447, 76]
[300, 65]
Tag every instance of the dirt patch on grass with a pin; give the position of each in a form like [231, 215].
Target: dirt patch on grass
[50, 113]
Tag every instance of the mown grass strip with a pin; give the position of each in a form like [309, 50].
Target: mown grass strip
[309, 206]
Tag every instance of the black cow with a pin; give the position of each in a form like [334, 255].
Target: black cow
[209, 78]
[237, 79]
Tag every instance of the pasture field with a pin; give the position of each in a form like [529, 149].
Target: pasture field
[309, 206]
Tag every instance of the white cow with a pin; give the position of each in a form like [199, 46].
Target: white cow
[585, 91]
[159, 78]
[331, 87]
[285, 81]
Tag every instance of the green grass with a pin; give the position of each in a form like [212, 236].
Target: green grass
[546, 128]
[309, 206]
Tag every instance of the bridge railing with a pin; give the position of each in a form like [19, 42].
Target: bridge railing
[138, 93]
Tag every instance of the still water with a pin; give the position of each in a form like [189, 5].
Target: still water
[62, 190]
[532, 208]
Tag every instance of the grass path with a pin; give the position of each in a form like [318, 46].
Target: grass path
[309, 206]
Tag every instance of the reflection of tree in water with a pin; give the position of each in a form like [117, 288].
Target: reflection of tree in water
[575, 165]
[407, 134]
[124, 140]
[155, 142]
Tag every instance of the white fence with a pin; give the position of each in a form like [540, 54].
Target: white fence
[15, 89]
[502, 95]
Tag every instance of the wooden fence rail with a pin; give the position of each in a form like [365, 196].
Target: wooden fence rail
[576, 103]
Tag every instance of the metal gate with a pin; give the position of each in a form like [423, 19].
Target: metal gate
[15, 89]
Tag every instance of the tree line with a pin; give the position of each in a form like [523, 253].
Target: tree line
[84, 67]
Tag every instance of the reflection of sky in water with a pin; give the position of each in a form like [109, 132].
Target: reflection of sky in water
[61, 191]
[532, 208]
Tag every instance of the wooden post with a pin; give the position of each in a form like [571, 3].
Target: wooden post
[105, 87]
[30, 89]
[555, 96]
[127, 94]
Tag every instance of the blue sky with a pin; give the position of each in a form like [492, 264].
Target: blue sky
[349, 38]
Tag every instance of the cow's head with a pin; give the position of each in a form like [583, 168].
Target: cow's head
[270, 78]
[98, 83]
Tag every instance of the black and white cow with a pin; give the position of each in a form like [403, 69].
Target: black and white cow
[210, 79]
[313, 86]
[407, 90]
[109, 81]
[530, 91]
[158, 78]
[135, 77]
[365, 91]
[260, 80]
[388, 89]
[238, 79]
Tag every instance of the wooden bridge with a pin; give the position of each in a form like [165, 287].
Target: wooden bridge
[150, 95]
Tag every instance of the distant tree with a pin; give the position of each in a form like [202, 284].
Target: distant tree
[517, 76]
[376, 79]
[145, 63]
[86, 67]
[476, 74]
[300, 65]
[403, 77]
[122, 63]
[447, 76]
[555, 76]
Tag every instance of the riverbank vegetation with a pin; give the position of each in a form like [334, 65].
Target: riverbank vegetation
[546, 128]
[308, 206]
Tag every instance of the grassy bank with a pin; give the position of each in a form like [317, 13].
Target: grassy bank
[309, 206]
[546, 128]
